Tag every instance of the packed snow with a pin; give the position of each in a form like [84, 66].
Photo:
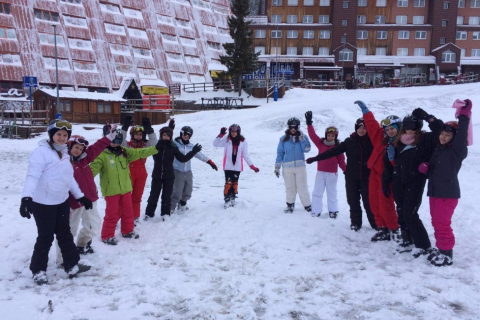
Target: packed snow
[253, 261]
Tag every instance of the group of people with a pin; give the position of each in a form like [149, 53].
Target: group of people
[388, 164]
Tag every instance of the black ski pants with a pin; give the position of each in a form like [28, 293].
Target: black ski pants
[408, 198]
[53, 220]
[157, 186]
[355, 190]
[231, 184]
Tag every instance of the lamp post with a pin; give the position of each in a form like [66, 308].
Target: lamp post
[275, 89]
[343, 57]
[58, 114]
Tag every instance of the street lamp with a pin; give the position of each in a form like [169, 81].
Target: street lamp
[56, 70]
[343, 56]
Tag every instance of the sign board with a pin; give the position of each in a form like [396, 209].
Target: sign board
[175, 89]
[154, 90]
[30, 82]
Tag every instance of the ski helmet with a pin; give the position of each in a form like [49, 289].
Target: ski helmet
[391, 121]
[118, 137]
[186, 131]
[166, 130]
[359, 123]
[235, 128]
[77, 139]
[136, 129]
[450, 126]
[412, 123]
[59, 124]
[293, 122]
[331, 129]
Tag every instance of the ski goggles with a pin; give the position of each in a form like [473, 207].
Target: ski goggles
[79, 140]
[234, 129]
[293, 127]
[59, 124]
[386, 122]
[138, 129]
[410, 125]
[449, 128]
[186, 133]
[332, 130]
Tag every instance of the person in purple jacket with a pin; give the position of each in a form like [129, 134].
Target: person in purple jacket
[81, 156]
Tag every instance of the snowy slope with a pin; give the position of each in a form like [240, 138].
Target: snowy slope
[253, 261]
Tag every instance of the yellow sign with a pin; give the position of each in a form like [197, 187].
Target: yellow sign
[215, 74]
[154, 90]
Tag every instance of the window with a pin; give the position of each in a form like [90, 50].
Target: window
[307, 3]
[444, 23]
[5, 8]
[323, 51]
[418, 19]
[307, 19]
[461, 35]
[323, 19]
[223, 31]
[179, 76]
[138, 33]
[476, 35]
[362, 34]
[104, 107]
[307, 51]
[324, 34]
[402, 52]
[446, 4]
[291, 51]
[419, 3]
[142, 53]
[401, 20]
[260, 49]
[404, 35]
[379, 19]
[147, 73]
[79, 44]
[74, 21]
[209, 29]
[361, 19]
[124, 69]
[473, 21]
[475, 4]
[275, 50]
[115, 28]
[173, 56]
[344, 23]
[381, 34]
[170, 38]
[7, 58]
[189, 42]
[276, 33]
[214, 45]
[402, 3]
[381, 3]
[381, 51]
[49, 39]
[475, 53]
[292, 19]
[133, 13]
[361, 51]
[345, 55]
[107, 7]
[84, 66]
[443, 40]
[420, 34]
[276, 18]
[308, 34]
[276, 3]
[64, 106]
[119, 49]
[345, 4]
[193, 60]
[460, 19]
[165, 20]
[449, 56]
[72, 1]
[292, 2]
[183, 23]
[461, 3]
[46, 15]
[324, 3]
[362, 3]
[7, 33]
[292, 34]
[260, 34]
[343, 39]
[419, 52]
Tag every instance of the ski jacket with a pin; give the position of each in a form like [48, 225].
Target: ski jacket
[114, 172]
[292, 154]
[408, 158]
[49, 178]
[168, 151]
[140, 163]
[358, 150]
[329, 165]
[83, 173]
[376, 135]
[446, 162]
[242, 153]
[184, 149]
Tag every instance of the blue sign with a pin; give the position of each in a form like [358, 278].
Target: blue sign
[275, 92]
[30, 82]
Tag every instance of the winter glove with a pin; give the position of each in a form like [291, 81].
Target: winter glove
[127, 122]
[423, 168]
[254, 168]
[311, 160]
[197, 148]
[161, 145]
[171, 124]
[467, 110]
[26, 207]
[277, 170]
[419, 113]
[113, 133]
[386, 189]
[308, 118]
[362, 106]
[86, 202]
[147, 125]
[222, 132]
[212, 164]
[391, 152]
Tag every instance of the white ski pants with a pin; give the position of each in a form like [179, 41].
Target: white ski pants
[325, 180]
[91, 225]
[296, 182]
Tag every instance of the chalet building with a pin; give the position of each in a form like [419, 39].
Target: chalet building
[101, 42]
[370, 42]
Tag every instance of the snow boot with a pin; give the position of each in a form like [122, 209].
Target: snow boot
[290, 207]
[131, 235]
[382, 235]
[165, 218]
[308, 208]
[316, 215]
[417, 252]
[147, 218]
[444, 258]
[77, 269]
[355, 227]
[182, 206]
[227, 201]
[40, 278]
[395, 235]
[433, 253]
[333, 214]
[87, 249]
[136, 222]
[110, 241]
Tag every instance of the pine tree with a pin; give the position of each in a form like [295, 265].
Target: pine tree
[240, 57]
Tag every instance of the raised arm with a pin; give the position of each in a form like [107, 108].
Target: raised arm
[338, 150]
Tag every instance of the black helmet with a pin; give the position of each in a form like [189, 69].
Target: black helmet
[235, 127]
[359, 123]
[118, 137]
[293, 122]
[412, 123]
[186, 130]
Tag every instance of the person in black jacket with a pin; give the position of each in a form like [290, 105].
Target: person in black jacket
[443, 187]
[402, 161]
[358, 149]
[163, 175]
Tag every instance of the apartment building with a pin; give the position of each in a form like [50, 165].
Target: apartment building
[370, 41]
[99, 43]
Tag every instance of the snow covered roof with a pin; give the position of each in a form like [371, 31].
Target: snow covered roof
[123, 87]
[472, 61]
[396, 60]
[436, 49]
[152, 82]
[82, 95]
[217, 67]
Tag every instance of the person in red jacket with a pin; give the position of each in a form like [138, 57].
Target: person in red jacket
[382, 136]
[326, 169]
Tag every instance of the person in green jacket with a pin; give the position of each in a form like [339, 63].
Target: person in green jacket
[116, 185]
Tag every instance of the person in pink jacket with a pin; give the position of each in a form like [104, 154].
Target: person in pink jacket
[236, 149]
[326, 169]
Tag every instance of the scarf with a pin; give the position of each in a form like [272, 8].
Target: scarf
[328, 143]
[407, 138]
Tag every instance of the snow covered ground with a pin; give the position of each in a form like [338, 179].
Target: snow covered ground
[253, 261]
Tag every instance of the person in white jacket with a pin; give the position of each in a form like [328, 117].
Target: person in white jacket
[235, 150]
[45, 195]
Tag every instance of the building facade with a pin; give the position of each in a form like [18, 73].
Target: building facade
[99, 43]
[372, 42]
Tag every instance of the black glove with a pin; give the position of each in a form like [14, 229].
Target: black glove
[171, 124]
[197, 148]
[146, 125]
[419, 113]
[26, 207]
[127, 122]
[311, 160]
[308, 118]
[223, 130]
[86, 203]
[386, 189]
[161, 144]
